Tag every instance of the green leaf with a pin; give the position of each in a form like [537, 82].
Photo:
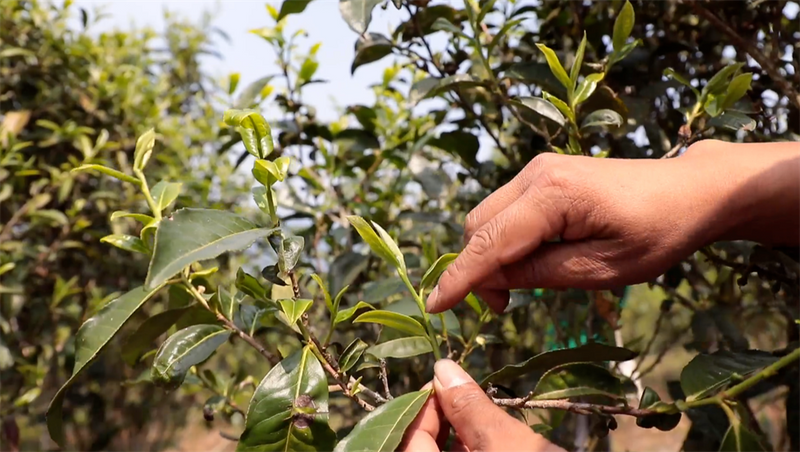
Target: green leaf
[307, 70]
[669, 72]
[194, 235]
[399, 322]
[662, 421]
[433, 86]
[126, 242]
[472, 302]
[92, 337]
[575, 71]
[248, 97]
[431, 276]
[250, 285]
[736, 90]
[383, 429]
[542, 107]
[602, 118]
[739, 439]
[337, 300]
[268, 172]
[289, 408]
[733, 121]
[719, 82]
[294, 309]
[255, 131]
[165, 193]
[142, 339]
[227, 303]
[623, 26]
[325, 293]
[459, 143]
[560, 104]
[352, 354]
[358, 13]
[346, 314]
[109, 172]
[376, 244]
[370, 47]
[408, 307]
[144, 149]
[555, 66]
[405, 347]
[707, 374]
[442, 24]
[184, 349]
[391, 246]
[592, 352]
[233, 82]
[586, 88]
[578, 380]
[141, 218]
[292, 7]
[290, 252]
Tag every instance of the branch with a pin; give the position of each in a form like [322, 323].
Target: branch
[574, 407]
[750, 47]
[384, 374]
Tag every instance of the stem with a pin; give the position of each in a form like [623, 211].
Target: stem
[485, 316]
[574, 407]
[147, 196]
[273, 360]
[425, 317]
[384, 374]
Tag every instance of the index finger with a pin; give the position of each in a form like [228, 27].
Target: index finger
[429, 431]
[511, 235]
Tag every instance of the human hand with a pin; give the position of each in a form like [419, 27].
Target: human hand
[480, 425]
[620, 222]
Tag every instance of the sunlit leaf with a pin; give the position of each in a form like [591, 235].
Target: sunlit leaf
[294, 309]
[256, 132]
[432, 275]
[126, 242]
[555, 66]
[165, 193]
[144, 149]
[345, 314]
[623, 26]
[393, 320]
[405, 347]
[542, 107]
[109, 172]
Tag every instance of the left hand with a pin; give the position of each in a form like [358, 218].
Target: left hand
[480, 425]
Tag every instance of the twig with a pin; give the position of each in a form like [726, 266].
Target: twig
[384, 374]
[650, 343]
[470, 345]
[749, 46]
[574, 407]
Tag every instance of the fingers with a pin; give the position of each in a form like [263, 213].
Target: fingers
[479, 423]
[495, 203]
[429, 431]
[515, 232]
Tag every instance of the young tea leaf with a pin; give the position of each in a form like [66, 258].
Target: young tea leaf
[345, 314]
[352, 354]
[144, 149]
[542, 107]
[399, 322]
[110, 172]
[126, 242]
[256, 132]
[575, 71]
[294, 309]
[405, 347]
[165, 193]
[623, 26]
[376, 244]
[555, 66]
[184, 349]
[325, 293]
[383, 429]
[435, 271]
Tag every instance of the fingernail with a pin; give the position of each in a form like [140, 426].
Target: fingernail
[449, 374]
[433, 300]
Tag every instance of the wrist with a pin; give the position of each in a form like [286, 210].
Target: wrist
[753, 191]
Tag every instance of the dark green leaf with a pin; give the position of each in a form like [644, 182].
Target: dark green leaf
[733, 121]
[256, 133]
[165, 193]
[294, 309]
[542, 107]
[433, 86]
[193, 235]
[405, 347]
[707, 374]
[126, 242]
[432, 275]
[292, 7]
[739, 439]
[142, 339]
[393, 320]
[533, 72]
[289, 408]
[352, 354]
[248, 97]
[623, 26]
[250, 285]
[577, 380]
[383, 429]
[555, 66]
[662, 421]
[345, 314]
[442, 24]
[370, 47]
[602, 118]
[460, 143]
[184, 349]
[591, 352]
[272, 274]
[358, 13]
[91, 339]
[501, 33]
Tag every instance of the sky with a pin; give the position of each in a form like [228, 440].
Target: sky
[253, 58]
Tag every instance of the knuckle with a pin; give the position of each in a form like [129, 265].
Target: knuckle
[464, 399]
[471, 223]
[481, 242]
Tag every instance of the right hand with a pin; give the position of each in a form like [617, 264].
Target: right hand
[620, 222]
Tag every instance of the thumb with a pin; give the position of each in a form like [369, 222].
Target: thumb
[480, 424]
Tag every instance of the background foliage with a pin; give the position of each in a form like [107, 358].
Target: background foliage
[409, 162]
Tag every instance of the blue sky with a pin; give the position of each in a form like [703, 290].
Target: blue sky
[253, 58]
